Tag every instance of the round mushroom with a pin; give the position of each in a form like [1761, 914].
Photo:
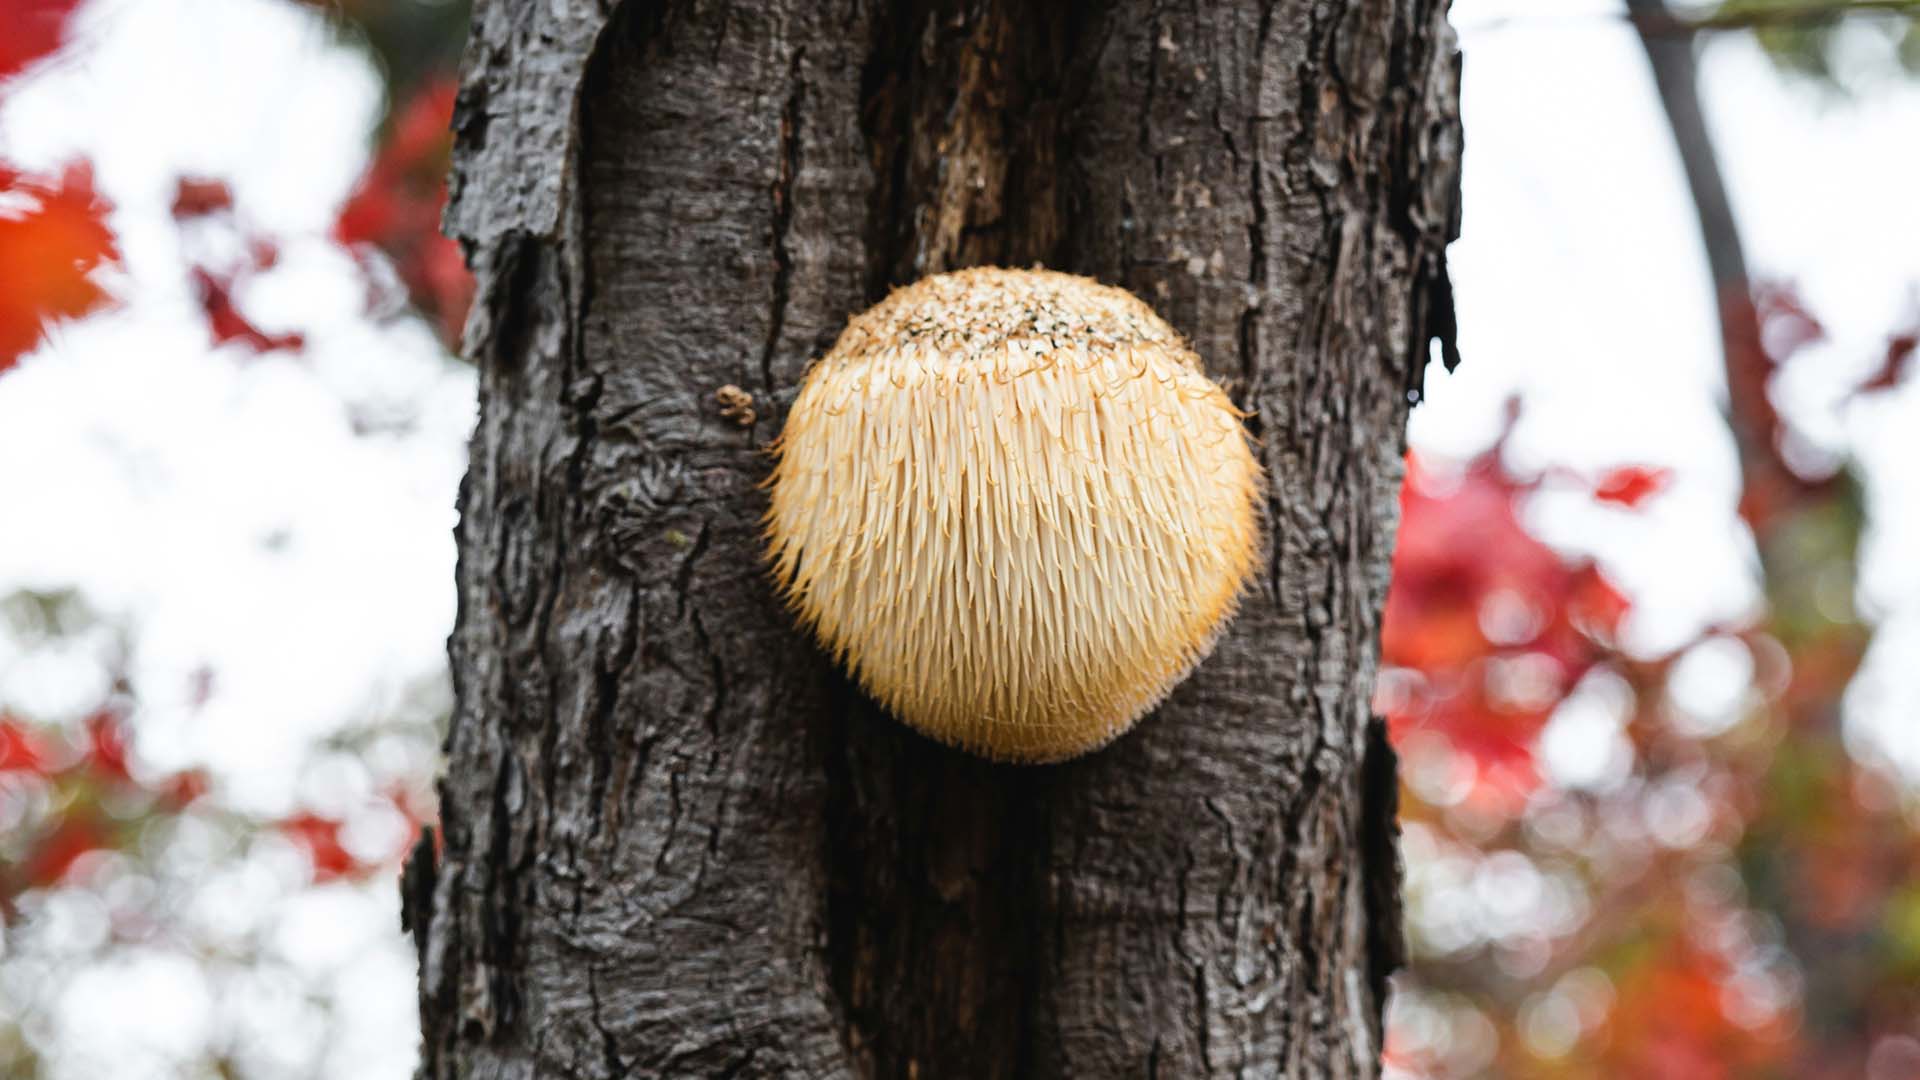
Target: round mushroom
[1015, 507]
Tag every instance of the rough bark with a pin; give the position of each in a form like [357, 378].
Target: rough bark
[676, 840]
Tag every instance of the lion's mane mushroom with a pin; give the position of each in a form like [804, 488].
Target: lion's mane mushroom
[1014, 506]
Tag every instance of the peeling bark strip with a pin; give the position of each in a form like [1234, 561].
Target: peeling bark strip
[676, 841]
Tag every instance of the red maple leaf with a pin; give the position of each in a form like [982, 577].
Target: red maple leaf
[1767, 328]
[19, 748]
[197, 197]
[107, 745]
[319, 837]
[48, 252]
[1671, 1019]
[1900, 353]
[1490, 627]
[184, 787]
[226, 322]
[1595, 605]
[54, 856]
[1631, 485]
[34, 28]
[395, 209]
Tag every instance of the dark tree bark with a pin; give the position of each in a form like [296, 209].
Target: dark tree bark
[676, 840]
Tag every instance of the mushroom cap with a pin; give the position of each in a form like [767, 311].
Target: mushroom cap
[1014, 506]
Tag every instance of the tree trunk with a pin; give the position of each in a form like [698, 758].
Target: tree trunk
[677, 841]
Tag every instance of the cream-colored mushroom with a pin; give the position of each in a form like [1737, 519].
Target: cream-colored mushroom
[1011, 502]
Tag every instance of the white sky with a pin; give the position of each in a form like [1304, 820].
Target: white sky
[225, 507]
[1582, 287]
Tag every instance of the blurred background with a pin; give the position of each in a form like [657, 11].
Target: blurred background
[1652, 655]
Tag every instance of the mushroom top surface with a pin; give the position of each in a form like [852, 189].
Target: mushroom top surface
[974, 313]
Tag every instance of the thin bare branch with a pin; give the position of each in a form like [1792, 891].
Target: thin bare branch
[1669, 23]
